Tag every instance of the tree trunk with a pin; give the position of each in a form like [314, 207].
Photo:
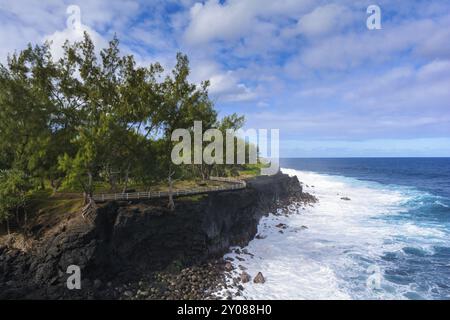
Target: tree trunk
[55, 183]
[86, 197]
[171, 204]
[202, 172]
[17, 216]
[87, 194]
[112, 182]
[90, 186]
[127, 174]
[193, 170]
[7, 226]
[25, 217]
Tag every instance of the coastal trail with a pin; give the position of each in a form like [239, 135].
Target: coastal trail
[231, 184]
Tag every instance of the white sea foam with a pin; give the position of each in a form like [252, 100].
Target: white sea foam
[441, 204]
[329, 259]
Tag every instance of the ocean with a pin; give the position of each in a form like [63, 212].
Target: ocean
[391, 240]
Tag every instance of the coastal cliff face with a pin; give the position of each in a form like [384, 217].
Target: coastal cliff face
[125, 239]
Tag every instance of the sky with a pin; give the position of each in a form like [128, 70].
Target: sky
[310, 68]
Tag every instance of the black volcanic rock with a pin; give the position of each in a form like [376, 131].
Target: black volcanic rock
[123, 240]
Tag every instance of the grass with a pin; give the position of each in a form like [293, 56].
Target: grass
[251, 170]
[161, 186]
[46, 207]
[53, 205]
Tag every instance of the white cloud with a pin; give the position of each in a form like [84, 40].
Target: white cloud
[26, 21]
[22, 22]
[224, 85]
[11, 44]
[234, 19]
[322, 20]
[424, 38]
[213, 21]
[400, 102]
[417, 91]
[73, 34]
[313, 62]
[103, 15]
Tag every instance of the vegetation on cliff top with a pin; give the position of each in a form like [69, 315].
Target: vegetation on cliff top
[95, 121]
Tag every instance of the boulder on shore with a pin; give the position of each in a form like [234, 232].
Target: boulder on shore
[259, 278]
[245, 277]
[228, 267]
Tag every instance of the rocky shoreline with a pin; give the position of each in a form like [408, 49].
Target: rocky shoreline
[216, 279]
[141, 251]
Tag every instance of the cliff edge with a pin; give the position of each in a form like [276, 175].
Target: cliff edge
[126, 239]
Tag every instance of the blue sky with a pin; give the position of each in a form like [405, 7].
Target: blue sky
[310, 68]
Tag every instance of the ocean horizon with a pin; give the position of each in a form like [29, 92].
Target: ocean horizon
[379, 231]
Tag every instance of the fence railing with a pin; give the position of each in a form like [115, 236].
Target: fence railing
[232, 184]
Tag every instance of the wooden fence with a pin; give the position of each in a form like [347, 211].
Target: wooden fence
[232, 184]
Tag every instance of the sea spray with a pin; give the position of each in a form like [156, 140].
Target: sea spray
[330, 251]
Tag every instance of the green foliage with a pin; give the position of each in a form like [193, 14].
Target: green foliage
[14, 190]
[94, 118]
